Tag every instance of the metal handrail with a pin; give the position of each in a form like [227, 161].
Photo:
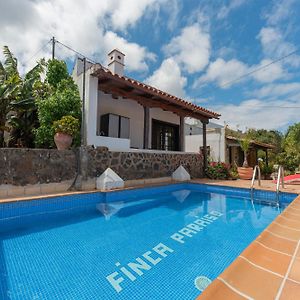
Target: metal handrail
[256, 169]
[280, 176]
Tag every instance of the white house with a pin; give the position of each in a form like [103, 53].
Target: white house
[124, 114]
[215, 135]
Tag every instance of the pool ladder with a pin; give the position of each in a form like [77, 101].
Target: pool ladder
[256, 171]
[280, 177]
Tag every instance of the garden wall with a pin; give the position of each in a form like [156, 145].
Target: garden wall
[32, 166]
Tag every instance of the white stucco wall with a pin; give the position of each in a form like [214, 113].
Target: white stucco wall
[98, 103]
[127, 108]
[216, 141]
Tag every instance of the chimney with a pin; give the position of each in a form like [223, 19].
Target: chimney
[116, 62]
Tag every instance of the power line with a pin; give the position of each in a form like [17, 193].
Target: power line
[78, 53]
[35, 54]
[259, 69]
[253, 71]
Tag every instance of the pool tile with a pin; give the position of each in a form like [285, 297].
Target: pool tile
[288, 222]
[291, 291]
[277, 243]
[251, 280]
[289, 214]
[220, 291]
[284, 231]
[266, 258]
[295, 270]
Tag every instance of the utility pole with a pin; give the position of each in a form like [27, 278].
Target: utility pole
[53, 47]
[83, 137]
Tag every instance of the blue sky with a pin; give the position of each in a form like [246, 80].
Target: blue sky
[192, 49]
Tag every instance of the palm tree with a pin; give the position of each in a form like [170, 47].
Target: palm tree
[23, 117]
[17, 103]
[9, 84]
[245, 145]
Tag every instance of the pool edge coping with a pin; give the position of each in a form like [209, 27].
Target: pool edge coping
[220, 286]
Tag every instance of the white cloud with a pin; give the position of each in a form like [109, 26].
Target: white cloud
[255, 113]
[27, 25]
[278, 90]
[191, 49]
[226, 9]
[168, 78]
[127, 13]
[280, 11]
[269, 73]
[226, 73]
[274, 46]
[222, 72]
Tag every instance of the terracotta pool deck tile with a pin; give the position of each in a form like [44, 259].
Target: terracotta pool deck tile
[251, 280]
[292, 210]
[284, 231]
[266, 258]
[291, 291]
[277, 243]
[220, 291]
[288, 222]
[295, 271]
[288, 214]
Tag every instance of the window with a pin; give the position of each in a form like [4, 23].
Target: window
[165, 136]
[114, 126]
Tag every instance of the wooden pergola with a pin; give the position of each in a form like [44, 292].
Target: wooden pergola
[150, 97]
[256, 145]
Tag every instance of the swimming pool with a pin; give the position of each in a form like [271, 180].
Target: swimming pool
[151, 243]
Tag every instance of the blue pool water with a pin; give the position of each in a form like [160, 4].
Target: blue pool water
[136, 244]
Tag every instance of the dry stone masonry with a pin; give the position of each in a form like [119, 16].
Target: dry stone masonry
[32, 166]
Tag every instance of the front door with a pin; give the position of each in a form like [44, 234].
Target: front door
[165, 136]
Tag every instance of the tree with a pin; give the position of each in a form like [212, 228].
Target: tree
[17, 105]
[9, 85]
[23, 117]
[290, 156]
[245, 145]
[56, 99]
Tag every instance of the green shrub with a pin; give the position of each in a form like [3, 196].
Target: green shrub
[55, 101]
[217, 170]
[67, 124]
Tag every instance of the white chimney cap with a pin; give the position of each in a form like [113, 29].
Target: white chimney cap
[116, 62]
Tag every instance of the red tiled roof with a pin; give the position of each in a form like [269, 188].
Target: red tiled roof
[98, 70]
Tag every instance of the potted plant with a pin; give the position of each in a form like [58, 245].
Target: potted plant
[267, 171]
[245, 172]
[233, 172]
[65, 129]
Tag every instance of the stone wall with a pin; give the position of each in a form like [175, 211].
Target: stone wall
[138, 165]
[32, 166]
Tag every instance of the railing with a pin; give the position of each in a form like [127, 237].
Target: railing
[256, 170]
[280, 177]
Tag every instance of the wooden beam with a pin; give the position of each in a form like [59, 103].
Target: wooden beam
[146, 126]
[181, 135]
[152, 102]
[204, 148]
